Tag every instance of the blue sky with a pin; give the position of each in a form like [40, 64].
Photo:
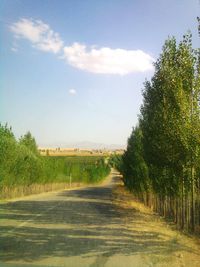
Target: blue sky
[72, 71]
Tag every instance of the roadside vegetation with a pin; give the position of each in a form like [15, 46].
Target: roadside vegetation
[24, 171]
[162, 162]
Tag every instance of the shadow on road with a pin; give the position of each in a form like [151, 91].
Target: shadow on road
[80, 222]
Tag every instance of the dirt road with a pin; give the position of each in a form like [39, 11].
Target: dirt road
[93, 226]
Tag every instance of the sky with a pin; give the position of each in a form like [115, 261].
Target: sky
[73, 70]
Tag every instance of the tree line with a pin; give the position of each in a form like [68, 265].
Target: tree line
[21, 165]
[162, 162]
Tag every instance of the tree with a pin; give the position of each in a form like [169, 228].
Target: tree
[134, 167]
[29, 141]
[167, 142]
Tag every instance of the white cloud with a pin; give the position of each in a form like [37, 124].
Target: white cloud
[38, 33]
[14, 49]
[72, 91]
[106, 60]
[96, 60]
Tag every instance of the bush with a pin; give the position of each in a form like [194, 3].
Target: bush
[21, 164]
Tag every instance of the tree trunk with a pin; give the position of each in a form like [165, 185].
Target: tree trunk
[182, 204]
[192, 200]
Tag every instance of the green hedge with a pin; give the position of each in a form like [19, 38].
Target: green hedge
[21, 164]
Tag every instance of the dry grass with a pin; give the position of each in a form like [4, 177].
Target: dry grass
[183, 250]
[20, 191]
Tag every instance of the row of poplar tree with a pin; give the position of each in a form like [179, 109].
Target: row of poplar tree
[162, 161]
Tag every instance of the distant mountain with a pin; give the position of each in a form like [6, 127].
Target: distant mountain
[84, 145]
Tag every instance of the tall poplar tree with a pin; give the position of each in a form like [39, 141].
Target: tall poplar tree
[168, 139]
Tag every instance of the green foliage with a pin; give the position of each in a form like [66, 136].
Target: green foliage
[115, 161]
[21, 164]
[81, 169]
[163, 153]
[134, 168]
[29, 141]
